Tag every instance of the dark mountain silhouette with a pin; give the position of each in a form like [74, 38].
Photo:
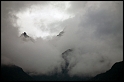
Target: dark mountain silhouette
[64, 56]
[62, 32]
[25, 35]
[14, 73]
[114, 74]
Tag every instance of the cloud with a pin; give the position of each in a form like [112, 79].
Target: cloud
[95, 34]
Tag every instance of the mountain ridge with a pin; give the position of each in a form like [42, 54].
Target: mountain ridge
[15, 73]
[114, 74]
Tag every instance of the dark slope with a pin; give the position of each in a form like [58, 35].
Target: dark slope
[14, 73]
[114, 74]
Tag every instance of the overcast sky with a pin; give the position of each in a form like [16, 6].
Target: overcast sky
[92, 29]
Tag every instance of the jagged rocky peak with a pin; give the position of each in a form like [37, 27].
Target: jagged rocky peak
[67, 51]
[26, 38]
[25, 35]
[61, 33]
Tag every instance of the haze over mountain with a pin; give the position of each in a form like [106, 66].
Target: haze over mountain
[77, 38]
[15, 73]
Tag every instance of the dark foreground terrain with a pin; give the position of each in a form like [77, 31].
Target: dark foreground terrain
[15, 73]
[114, 74]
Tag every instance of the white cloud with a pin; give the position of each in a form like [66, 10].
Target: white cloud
[38, 17]
[95, 34]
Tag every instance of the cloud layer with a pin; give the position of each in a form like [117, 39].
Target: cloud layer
[95, 34]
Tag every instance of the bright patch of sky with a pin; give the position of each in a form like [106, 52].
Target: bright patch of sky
[36, 19]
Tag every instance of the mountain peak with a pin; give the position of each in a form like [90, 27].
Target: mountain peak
[25, 37]
[61, 33]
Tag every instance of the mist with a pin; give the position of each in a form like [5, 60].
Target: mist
[94, 32]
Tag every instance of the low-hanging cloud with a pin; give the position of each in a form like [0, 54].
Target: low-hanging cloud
[95, 35]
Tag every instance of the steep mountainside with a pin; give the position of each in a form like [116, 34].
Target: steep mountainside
[14, 73]
[114, 74]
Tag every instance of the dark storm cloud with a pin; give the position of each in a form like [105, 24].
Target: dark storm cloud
[95, 35]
